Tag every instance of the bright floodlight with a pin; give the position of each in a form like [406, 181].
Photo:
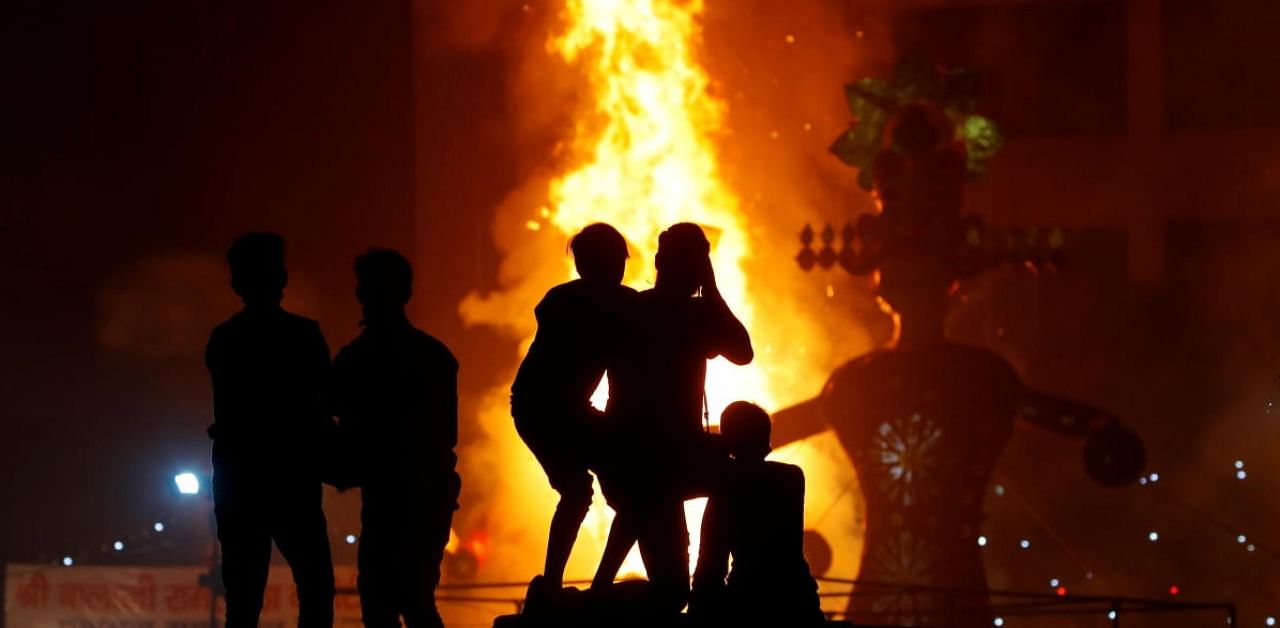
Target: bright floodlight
[67, 561]
[188, 483]
[118, 546]
[351, 539]
[158, 527]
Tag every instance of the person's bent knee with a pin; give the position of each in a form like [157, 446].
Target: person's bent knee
[576, 499]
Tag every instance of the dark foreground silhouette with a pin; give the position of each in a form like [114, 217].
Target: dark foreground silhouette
[395, 393]
[660, 453]
[756, 515]
[394, 389]
[579, 324]
[268, 369]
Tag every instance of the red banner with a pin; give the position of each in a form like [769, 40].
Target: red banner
[39, 596]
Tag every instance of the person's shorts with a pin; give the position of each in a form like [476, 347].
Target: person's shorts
[648, 468]
[563, 451]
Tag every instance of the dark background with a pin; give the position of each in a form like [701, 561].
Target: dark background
[138, 138]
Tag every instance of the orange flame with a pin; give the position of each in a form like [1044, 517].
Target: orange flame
[642, 157]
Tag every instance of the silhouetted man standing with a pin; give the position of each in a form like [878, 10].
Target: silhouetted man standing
[579, 323]
[396, 395]
[656, 403]
[756, 515]
[268, 367]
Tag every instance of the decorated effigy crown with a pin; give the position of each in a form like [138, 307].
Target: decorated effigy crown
[916, 140]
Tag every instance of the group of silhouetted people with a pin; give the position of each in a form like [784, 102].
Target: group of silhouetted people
[653, 448]
[275, 393]
[393, 391]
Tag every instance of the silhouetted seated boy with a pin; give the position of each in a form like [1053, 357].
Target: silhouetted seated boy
[756, 514]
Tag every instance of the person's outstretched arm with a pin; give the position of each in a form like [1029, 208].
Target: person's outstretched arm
[726, 335]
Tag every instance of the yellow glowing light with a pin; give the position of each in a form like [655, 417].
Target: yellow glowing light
[642, 155]
[649, 160]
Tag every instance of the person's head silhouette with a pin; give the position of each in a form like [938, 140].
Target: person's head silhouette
[258, 274]
[746, 429]
[682, 259]
[599, 253]
[384, 283]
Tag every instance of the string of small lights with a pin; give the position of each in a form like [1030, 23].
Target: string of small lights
[1153, 483]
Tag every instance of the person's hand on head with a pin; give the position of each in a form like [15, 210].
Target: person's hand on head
[708, 279]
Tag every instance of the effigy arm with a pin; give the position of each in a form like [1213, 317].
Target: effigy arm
[1060, 415]
[1113, 454]
[798, 422]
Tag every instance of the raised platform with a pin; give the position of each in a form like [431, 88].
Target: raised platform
[683, 621]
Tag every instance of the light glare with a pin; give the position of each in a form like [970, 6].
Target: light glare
[188, 483]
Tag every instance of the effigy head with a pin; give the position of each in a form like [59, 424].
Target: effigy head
[919, 236]
[911, 144]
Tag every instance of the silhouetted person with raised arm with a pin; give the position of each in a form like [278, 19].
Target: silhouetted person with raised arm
[395, 392]
[755, 514]
[579, 324]
[268, 368]
[663, 454]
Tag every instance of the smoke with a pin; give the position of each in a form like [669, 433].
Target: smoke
[162, 307]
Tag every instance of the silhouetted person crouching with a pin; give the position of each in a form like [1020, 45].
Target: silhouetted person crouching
[662, 454]
[395, 393]
[268, 368]
[756, 515]
[579, 323]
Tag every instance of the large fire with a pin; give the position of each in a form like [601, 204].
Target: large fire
[649, 157]
[642, 156]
